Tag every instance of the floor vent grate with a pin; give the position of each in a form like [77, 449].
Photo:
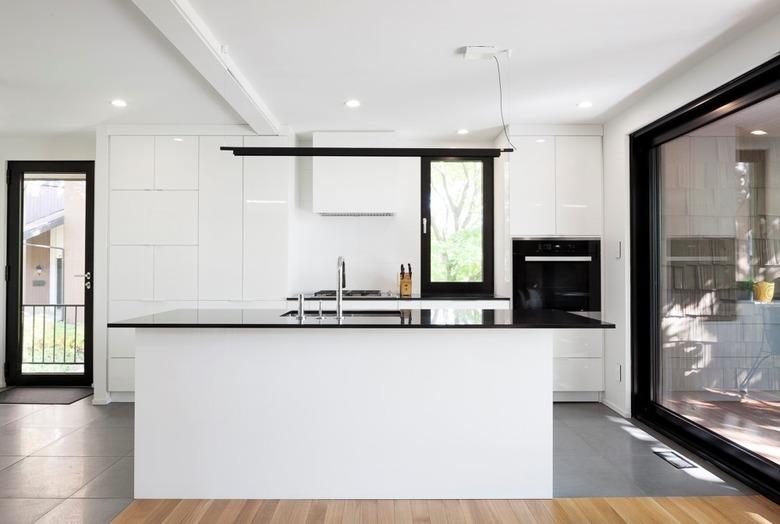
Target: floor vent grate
[675, 460]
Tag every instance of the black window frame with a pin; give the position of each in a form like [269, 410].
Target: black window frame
[486, 287]
[746, 90]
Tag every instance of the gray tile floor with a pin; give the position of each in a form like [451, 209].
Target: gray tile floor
[65, 464]
[74, 463]
[597, 453]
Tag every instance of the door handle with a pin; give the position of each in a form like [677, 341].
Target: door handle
[86, 275]
[88, 285]
[425, 226]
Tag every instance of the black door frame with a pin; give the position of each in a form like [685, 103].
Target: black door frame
[486, 287]
[15, 177]
[752, 87]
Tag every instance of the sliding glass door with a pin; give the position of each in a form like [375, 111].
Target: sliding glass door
[719, 258]
[705, 190]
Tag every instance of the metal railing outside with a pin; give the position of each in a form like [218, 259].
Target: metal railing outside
[53, 337]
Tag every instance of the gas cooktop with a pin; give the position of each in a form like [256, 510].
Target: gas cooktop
[349, 293]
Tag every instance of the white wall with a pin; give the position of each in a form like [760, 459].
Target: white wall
[723, 65]
[373, 246]
[34, 148]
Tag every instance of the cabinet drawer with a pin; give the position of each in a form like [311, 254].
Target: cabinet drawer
[121, 374]
[121, 342]
[578, 374]
[580, 343]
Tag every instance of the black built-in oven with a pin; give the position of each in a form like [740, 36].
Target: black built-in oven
[556, 274]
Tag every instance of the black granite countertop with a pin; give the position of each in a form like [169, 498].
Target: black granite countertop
[418, 318]
[387, 295]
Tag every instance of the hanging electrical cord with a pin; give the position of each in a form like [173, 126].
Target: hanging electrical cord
[501, 101]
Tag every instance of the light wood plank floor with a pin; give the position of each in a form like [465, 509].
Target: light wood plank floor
[667, 510]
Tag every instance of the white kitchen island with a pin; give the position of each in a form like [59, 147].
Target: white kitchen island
[436, 405]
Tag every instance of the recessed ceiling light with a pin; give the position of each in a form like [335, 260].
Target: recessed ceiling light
[178, 139]
[352, 103]
[758, 132]
[585, 104]
[118, 102]
[463, 131]
[540, 140]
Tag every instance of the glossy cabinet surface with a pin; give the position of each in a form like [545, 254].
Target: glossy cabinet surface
[532, 186]
[355, 184]
[153, 217]
[131, 276]
[585, 343]
[578, 374]
[131, 162]
[176, 273]
[267, 199]
[121, 374]
[176, 162]
[220, 220]
[555, 186]
[578, 168]
[578, 363]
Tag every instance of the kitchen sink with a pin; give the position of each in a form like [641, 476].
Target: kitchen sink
[332, 314]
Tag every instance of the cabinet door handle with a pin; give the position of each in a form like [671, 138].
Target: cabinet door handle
[425, 226]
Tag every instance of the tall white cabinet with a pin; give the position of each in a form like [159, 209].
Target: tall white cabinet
[555, 190]
[220, 222]
[555, 186]
[192, 225]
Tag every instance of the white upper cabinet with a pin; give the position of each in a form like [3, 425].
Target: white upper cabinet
[268, 192]
[131, 162]
[358, 185]
[578, 174]
[555, 186]
[532, 187]
[176, 162]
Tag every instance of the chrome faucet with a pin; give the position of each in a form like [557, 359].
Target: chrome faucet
[341, 283]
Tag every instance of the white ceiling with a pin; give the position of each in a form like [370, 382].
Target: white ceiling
[306, 57]
[64, 61]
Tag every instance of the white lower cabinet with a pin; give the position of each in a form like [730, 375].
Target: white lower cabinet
[578, 363]
[121, 374]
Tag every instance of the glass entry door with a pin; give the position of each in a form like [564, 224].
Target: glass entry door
[49, 274]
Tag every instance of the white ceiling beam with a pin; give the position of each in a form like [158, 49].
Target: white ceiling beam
[178, 21]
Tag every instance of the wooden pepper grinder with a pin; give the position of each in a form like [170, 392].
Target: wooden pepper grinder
[406, 281]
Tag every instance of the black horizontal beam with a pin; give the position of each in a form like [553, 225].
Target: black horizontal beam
[366, 151]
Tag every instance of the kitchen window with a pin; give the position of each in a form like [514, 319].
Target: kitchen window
[457, 226]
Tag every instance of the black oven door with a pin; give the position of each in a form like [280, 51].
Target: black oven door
[567, 280]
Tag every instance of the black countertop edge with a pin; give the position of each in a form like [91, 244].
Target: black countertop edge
[456, 298]
[408, 319]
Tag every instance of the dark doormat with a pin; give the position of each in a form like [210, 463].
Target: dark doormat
[43, 395]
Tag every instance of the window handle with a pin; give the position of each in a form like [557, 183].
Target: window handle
[86, 275]
[425, 226]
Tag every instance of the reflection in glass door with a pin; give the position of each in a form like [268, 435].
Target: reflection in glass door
[720, 277]
[50, 279]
